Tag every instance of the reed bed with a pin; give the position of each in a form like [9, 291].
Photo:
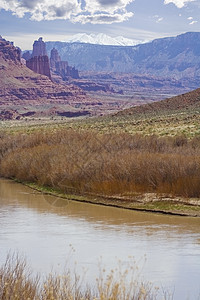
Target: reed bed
[107, 164]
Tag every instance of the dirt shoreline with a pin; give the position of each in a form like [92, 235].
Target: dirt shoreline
[149, 202]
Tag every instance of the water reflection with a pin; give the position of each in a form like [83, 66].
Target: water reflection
[43, 227]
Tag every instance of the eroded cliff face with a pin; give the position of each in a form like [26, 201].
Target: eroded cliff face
[55, 57]
[39, 64]
[8, 52]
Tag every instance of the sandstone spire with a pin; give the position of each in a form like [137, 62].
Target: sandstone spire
[39, 62]
[39, 48]
[54, 58]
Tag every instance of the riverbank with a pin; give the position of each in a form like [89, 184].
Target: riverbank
[146, 173]
[146, 202]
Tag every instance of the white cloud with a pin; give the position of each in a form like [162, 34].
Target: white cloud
[193, 22]
[178, 3]
[102, 18]
[93, 11]
[157, 18]
[111, 6]
[42, 10]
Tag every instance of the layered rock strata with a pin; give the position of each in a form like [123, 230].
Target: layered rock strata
[40, 65]
[39, 62]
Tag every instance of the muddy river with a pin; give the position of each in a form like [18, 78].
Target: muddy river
[53, 233]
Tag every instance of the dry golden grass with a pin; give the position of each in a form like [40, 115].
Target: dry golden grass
[107, 164]
[17, 282]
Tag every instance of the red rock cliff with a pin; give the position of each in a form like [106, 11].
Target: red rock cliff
[40, 65]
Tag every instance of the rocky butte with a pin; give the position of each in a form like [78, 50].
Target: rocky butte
[39, 62]
[40, 65]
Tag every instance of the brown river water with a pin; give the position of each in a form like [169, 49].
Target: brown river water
[51, 232]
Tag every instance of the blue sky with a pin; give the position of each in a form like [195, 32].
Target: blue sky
[23, 21]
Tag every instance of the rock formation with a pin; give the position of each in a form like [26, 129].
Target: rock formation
[62, 68]
[18, 83]
[39, 62]
[39, 48]
[73, 72]
[55, 58]
[26, 94]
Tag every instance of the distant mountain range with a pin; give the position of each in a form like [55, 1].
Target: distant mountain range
[103, 39]
[175, 57]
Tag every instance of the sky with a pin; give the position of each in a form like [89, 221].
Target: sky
[24, 21]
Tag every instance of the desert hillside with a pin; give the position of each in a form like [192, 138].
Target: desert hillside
[187, 101]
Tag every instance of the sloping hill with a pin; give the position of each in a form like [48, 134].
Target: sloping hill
[178, 115]
[175, 116]
[188, 101]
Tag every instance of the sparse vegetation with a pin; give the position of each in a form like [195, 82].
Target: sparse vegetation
[18, 282]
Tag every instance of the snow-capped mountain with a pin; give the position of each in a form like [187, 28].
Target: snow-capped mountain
[174, 57]
[103, 39]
